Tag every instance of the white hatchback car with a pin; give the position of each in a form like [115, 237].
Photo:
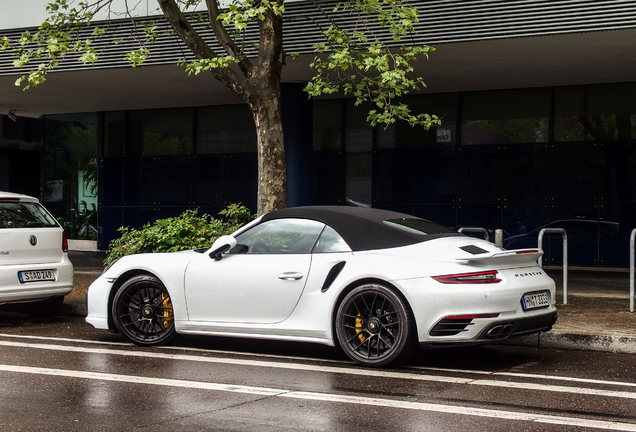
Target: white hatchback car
[35, 270]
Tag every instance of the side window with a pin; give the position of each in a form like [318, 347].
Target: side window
[330, 241]
[279, 236]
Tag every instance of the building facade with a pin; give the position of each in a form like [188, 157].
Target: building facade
[538, 101]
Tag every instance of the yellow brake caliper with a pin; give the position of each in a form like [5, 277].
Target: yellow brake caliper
[360, 325]
[167, 310]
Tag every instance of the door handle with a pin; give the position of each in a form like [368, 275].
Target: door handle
[290, 276]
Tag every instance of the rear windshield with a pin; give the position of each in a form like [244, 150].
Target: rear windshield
[418, 226]
[24, 215]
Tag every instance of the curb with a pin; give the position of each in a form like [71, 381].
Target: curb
[577, 341]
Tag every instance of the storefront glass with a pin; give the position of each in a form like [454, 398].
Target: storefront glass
[70, 173]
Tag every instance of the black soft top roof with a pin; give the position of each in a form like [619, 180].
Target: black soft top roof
[362, 228]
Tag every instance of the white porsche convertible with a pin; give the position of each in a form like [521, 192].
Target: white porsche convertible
[372, 282]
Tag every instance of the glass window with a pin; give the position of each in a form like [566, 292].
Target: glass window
[595, 113]
[70, 173]
[358, 132]
[358, 157]
[327, 116]
[505, 117]
[443, 106]
[225, 129]
[24, 215]
[279, 236]
[160, 132]
[392, 176]
[328, 162]
[114, 133]
[330, 242]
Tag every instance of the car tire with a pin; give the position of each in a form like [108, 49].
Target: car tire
[375, 326]
[142, 311]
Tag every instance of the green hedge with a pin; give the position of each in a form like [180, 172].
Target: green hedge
[184, 232]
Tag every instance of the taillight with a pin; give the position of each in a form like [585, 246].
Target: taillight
[64, 242]
[485, 277]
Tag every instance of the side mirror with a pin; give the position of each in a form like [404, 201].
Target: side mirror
[222, 244]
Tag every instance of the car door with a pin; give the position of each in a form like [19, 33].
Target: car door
[260, 280]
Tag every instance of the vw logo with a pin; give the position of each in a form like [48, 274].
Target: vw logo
[33, 240]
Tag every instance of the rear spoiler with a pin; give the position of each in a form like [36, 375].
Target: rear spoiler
[509, 256]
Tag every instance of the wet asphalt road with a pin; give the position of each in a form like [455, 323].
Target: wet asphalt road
[59, 374]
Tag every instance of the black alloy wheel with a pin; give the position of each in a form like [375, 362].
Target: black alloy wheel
[142, 311]
[375, 326]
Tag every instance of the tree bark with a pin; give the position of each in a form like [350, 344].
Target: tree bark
[266, 109]
[272, 169]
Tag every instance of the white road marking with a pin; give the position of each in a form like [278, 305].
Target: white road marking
[167, 347]
[331, 369]
[328, 397]
[58, 339]
[526, 375]
[242, 362]
[434, 369]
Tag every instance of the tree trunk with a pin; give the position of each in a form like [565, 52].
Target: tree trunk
[272, 172]
[262, 94]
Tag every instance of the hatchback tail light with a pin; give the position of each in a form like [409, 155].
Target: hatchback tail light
[64, 242]
[485, 277]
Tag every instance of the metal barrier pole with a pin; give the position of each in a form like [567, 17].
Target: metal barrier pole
[484, 231]
[565, 256]
[632, 240]
[499, 237]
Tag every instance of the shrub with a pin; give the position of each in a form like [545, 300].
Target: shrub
[184, 232]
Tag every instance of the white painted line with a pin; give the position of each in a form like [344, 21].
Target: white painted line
[241, 362]
[330, 369]
[371, 371]
[176, 348]
[331, 398]
[434, 369]
[525, 375]
[201, 385]
[557, 389]
[58, 339]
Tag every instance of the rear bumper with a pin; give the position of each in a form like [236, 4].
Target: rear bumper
[501, 330]
[12, 291]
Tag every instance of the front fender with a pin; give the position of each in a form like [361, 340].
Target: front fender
[169, 268]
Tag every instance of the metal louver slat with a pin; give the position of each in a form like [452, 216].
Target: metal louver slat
[441, 22]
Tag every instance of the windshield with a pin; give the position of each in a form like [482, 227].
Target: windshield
[24, 215]
[417, 226]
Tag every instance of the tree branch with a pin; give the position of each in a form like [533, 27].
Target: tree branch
[224, 38]
[197, 45]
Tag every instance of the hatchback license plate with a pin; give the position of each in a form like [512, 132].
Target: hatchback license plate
[535, 300]
[36, 276]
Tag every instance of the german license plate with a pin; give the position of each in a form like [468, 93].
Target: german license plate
[36, 276]
[535, 300]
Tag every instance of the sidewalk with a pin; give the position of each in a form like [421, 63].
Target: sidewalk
[596, 316]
